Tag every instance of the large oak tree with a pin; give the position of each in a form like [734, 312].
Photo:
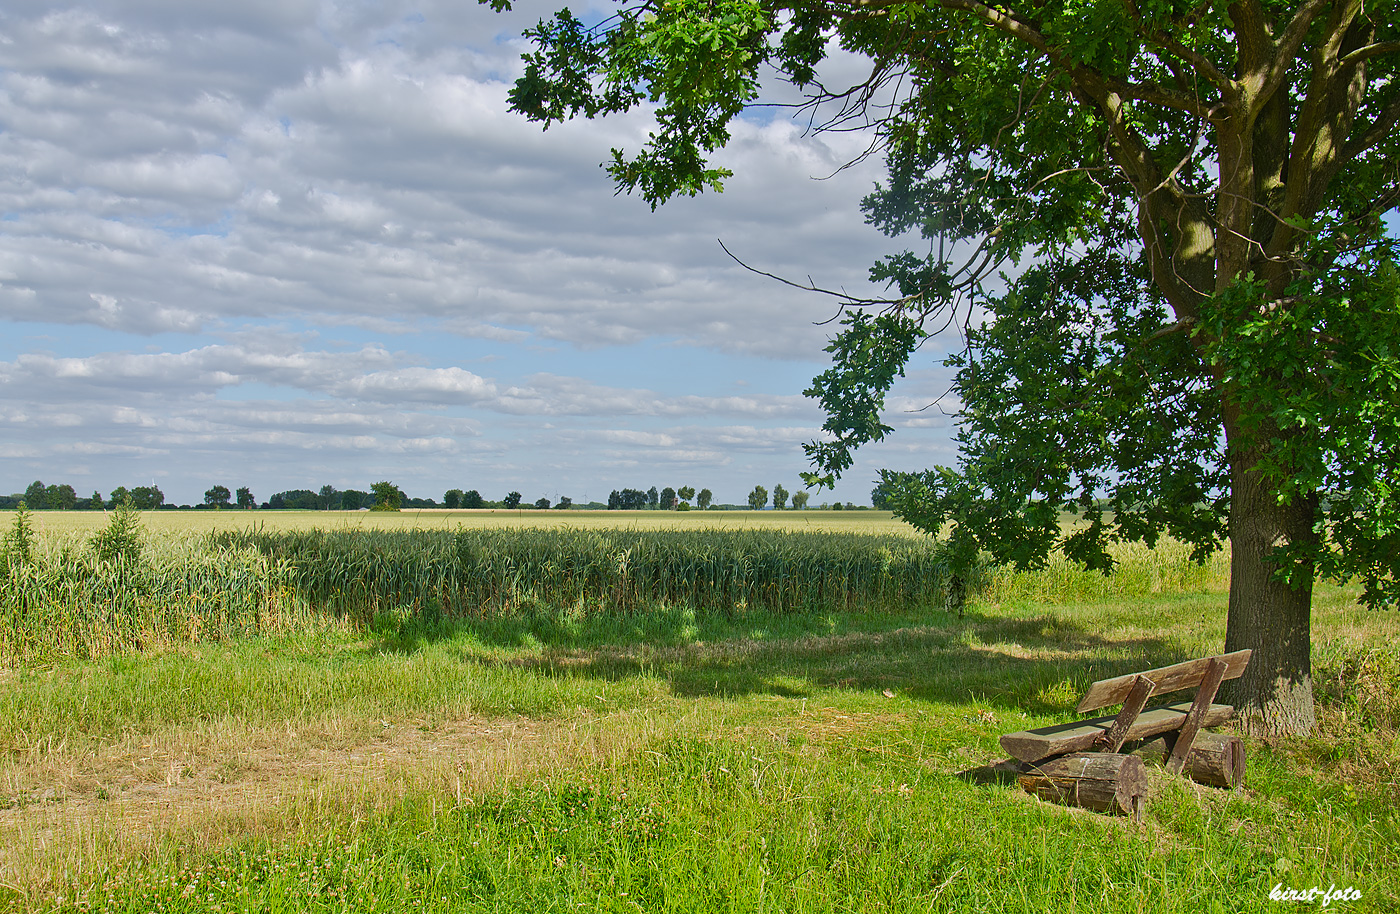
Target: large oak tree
[1201, 336]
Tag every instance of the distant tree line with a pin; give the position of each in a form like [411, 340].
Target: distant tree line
[386, 496]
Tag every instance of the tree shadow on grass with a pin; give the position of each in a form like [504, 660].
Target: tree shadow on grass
[1039, 664]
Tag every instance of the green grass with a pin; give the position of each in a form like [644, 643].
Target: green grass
[556, 757]
[120, 589]
[687, 763]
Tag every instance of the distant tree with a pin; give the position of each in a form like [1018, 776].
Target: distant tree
[668, 498]
[36, 496]
[799, 500]
[653, 497]
[452, 498]
[880, 496]
[685, 493]
[542, 504]
[634, 499]
[614, 500]
[218, 496]
[471, 499]
[147, 498]
[780, 496]
[297, 499]
[120, 496]
[512, 500]
[95, 503]
[703, 499]
[387, 496]
[245, 497]
[60, 497]
[330, 497]
[354, 500]
[837, 507]
[758, 498]
[564, 503]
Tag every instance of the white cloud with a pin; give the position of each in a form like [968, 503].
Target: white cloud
[193, 195]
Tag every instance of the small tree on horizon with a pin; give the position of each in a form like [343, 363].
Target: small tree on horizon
[472, 499]
[799, 500]
[780, 496]
[452, 498]
[703, 499]
[512, 500]
[685, 493]
[218, 496]
[758, 498]
[245, 498]
[387, 496]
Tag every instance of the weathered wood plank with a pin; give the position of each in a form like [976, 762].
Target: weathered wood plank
[1034, 745]
[1111, 740]
[1186, 675]
[1217, 759]
[1102, 781]
[1210, 684]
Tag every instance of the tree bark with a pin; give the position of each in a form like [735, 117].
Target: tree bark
[1271, 617]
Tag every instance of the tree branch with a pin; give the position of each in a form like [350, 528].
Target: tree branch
[1196, 60]
[1384, 126]
[1287, 45]
[1378, 49]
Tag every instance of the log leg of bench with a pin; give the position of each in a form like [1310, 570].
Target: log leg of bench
[1094, 780]
[1216, 759]
[1111, 740]
[1210, 684]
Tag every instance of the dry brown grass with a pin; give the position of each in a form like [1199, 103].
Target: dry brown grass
[74, 812]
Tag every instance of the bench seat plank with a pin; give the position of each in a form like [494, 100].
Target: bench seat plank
[1173, 678]
[1034, 745]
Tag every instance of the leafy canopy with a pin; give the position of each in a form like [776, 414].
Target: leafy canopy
[1190, 200]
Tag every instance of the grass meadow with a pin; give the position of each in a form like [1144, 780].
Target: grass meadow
[230, 738]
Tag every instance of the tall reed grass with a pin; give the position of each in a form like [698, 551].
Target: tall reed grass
[123, 590]
[486, 571]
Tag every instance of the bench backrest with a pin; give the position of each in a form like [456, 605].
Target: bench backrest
[1186, 675]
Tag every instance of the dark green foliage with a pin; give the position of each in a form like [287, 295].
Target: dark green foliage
[387, 496]
[471, 499]
[145, 498]
[119, 541]
[19, 540]
[512, 500]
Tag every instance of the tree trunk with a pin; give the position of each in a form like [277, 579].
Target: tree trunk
[1271, 617]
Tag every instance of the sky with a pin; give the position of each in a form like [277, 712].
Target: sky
[292, 243]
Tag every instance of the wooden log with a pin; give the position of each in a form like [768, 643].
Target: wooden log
[1034, 745]
[1108, 782]
[1217, 759]
[1173, 678]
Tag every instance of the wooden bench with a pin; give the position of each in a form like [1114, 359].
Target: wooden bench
[1046, 751]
